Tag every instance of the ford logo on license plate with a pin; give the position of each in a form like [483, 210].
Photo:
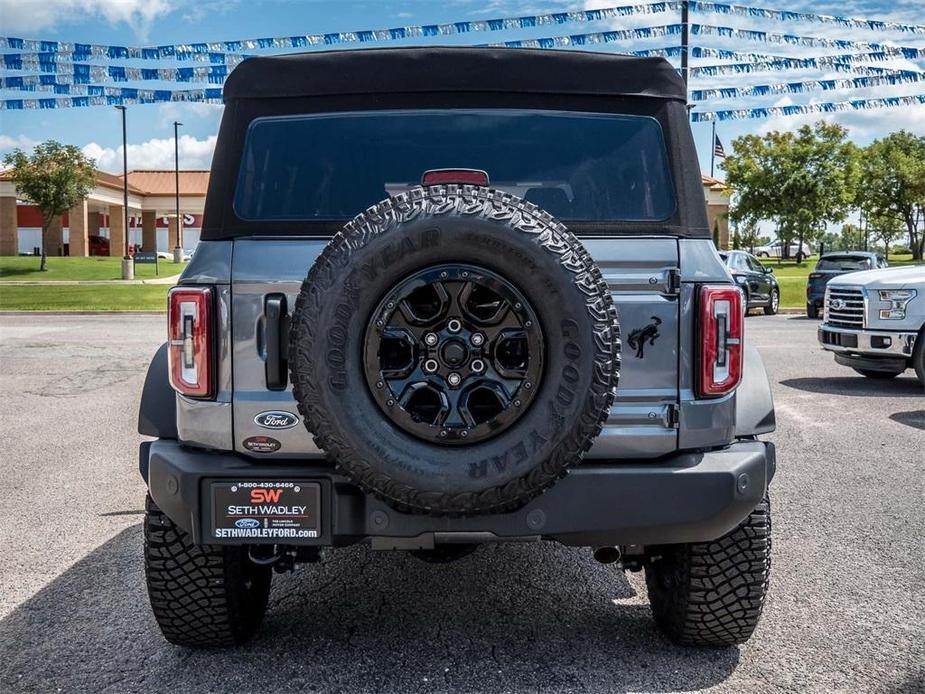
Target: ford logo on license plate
[247, 523]
[276, 419]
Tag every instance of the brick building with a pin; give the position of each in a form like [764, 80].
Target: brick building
[153, 224]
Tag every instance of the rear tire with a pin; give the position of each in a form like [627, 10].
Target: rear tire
[202, 596]
[773, 304]
[712, 593]
[878, 375]
[812, 311]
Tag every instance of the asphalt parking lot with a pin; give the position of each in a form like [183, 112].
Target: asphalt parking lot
[845, 610]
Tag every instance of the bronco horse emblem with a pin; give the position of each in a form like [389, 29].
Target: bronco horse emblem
[638, 338]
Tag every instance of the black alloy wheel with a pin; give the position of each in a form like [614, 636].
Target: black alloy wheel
[453, 354]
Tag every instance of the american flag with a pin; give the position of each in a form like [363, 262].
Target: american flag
[718, 150]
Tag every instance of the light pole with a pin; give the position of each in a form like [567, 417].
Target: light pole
[178, 251]
[128, 268]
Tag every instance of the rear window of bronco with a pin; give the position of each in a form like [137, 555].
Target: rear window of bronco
[575, 165]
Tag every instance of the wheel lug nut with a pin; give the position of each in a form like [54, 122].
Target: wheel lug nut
[390, 402]
[430, 365]
[464, 433]
[517, 403]
[477, 339]
[454, 379]
[478, 365]
[431, 339]
[454, 326]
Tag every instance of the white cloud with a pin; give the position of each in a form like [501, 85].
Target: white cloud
[154, 154]
[24, 16]
[184, 111]
[8, 143]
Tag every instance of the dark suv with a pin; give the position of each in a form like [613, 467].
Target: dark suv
[447, 297]
[832, 265]
[756, 280]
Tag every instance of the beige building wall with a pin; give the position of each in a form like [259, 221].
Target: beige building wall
[54, 239]
[9, 238]
[116, 231]
[718, 214]
[78, 231]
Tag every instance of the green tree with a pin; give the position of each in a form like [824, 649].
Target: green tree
[54, 178]
[802, 181]
[747, 236]
[886, 228]
[851, 238]
[892, 185]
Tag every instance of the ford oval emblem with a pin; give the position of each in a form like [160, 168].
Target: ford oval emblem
[838, 304]
[276, 419]
[247, 523]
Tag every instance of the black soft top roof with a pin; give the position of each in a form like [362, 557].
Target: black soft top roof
[453, 69]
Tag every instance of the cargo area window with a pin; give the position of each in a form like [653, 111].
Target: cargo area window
[578, 166]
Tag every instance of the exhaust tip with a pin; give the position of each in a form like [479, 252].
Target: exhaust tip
[607, 555]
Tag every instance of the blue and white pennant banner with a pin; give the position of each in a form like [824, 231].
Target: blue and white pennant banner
[803, 87]
[126, 96]
[788, 16]
[822, 60]
[909, 52]
[597, 37]
[802, 109]
[82, 73]
[12, 60]
[187, 51]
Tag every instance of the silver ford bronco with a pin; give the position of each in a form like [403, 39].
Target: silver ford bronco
[402, 326]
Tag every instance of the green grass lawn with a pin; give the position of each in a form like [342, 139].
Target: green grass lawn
[26, 268]
[100, 297]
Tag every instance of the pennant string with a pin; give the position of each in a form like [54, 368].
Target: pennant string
[86, 51]
[789, 16]
[802, 109]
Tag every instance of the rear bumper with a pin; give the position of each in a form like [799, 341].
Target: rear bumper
[688, 498]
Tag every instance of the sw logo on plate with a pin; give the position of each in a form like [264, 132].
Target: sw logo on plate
[276, 419]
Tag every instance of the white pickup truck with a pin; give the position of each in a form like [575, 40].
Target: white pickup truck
[874, 321]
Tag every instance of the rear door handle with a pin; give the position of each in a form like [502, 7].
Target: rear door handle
[277, 340]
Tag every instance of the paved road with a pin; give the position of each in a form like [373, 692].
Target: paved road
[845, 610]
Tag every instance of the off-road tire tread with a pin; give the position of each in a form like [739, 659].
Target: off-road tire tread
[718, 588]
[196, 591]
[550, 235]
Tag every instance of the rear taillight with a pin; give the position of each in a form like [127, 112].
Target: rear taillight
[190, 341]
[721, 334]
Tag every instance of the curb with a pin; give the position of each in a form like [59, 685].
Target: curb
[172, 279]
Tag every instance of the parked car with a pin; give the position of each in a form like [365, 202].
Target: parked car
[98, 245]
[373, 344]
[756, 280]
[832, 265]
[874, 321]
[168, 255]
[774, 250]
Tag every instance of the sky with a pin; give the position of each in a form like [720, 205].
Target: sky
[97, 129]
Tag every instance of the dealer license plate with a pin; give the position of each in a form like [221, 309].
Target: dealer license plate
[277, 511]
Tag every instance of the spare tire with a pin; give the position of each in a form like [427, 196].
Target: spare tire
[454, 350]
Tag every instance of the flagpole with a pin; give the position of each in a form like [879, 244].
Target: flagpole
[713, 149]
